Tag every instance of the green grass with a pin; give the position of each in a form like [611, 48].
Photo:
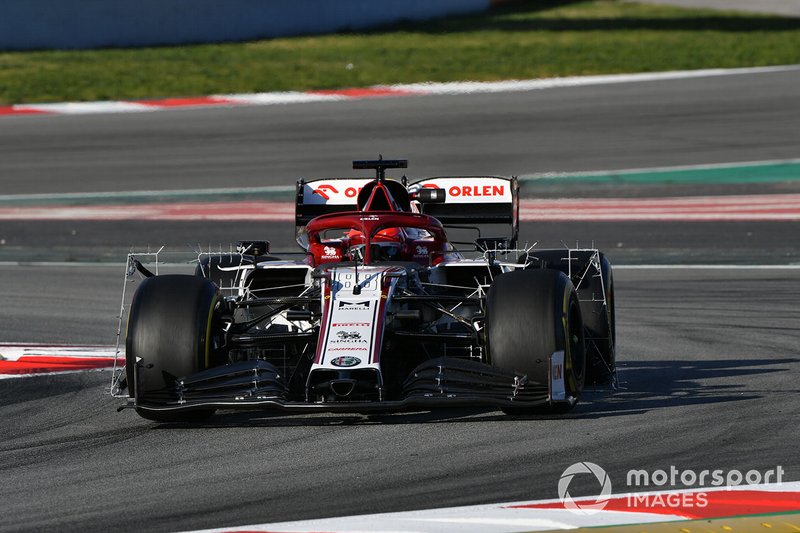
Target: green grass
[534, 39]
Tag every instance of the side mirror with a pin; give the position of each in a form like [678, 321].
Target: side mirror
[430, 196]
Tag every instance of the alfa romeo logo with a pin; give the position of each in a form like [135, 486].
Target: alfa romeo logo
[584, 507]
[346, 361]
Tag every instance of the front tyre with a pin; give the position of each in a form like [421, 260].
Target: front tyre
[530, 314]
[171, 334]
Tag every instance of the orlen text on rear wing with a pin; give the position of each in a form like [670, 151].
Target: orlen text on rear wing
[474, 200]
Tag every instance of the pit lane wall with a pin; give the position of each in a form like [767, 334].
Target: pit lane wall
[86, 24]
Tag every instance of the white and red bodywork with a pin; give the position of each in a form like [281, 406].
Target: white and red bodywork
[380, 313]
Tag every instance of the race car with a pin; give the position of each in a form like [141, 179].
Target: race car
[380, 312]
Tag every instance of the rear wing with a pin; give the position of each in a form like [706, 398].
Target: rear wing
[474, 200]
[469, 199]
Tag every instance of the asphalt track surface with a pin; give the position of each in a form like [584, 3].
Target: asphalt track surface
[708, 371]
[708, 358]
[619, 126]
[604, 127]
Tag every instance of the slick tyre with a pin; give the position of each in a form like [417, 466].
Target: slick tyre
[171, 328]
[596, 295]
[531, 314]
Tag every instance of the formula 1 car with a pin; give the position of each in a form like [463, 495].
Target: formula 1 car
[380, 313]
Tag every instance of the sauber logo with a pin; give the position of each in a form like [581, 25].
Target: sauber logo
[421, 251]
[329, 252]
[348, 335]
[324, 189]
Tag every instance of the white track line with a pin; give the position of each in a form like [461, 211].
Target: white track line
[13, 351]
[89, 108]
[580, 81]
[392, 91]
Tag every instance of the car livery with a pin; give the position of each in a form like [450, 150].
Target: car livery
[380, 311]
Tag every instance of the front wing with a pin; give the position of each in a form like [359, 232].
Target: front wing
[437, 383]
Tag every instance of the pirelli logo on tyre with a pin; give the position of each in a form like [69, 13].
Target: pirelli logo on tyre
[558, 389]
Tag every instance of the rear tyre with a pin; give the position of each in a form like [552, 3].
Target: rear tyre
[529, 315]
[171, 331]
